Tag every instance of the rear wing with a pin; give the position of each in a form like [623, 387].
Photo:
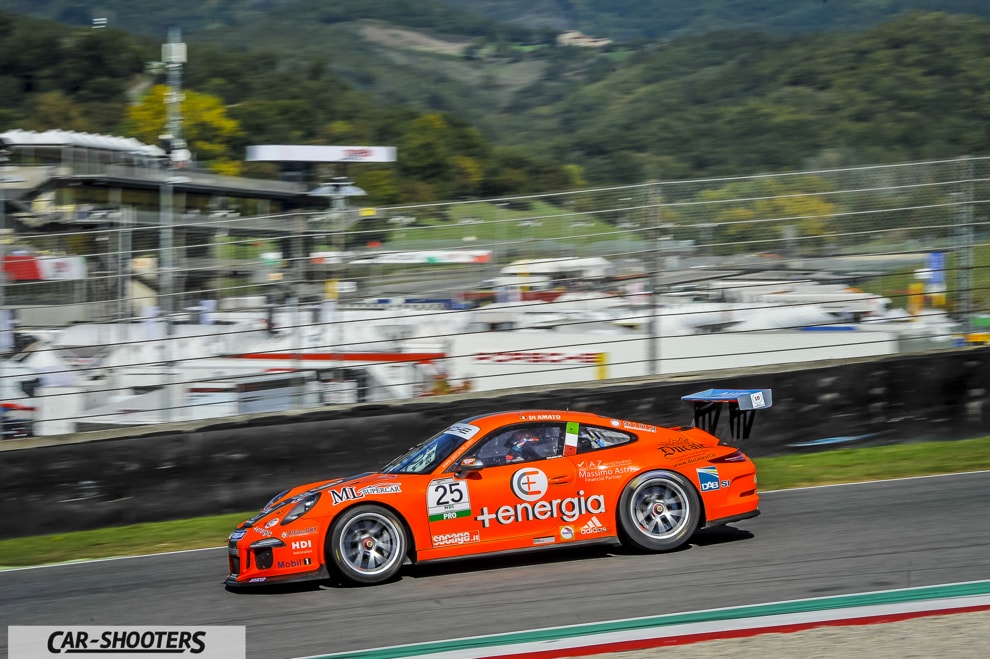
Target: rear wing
[743, 404]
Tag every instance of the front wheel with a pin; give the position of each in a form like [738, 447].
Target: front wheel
[367, 545]
[658, 511]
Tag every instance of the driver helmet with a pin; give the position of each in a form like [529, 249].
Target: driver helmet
[521, 438]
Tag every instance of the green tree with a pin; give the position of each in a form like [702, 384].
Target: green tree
[209, 131]
[764, 214]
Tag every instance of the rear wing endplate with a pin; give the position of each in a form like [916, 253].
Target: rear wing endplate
[743, 404]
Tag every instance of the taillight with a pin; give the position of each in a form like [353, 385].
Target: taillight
[735, 456]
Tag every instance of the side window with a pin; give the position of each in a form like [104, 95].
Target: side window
[592, 438]
[522, 443]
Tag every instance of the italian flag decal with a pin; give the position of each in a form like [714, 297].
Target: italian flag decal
[570, 438]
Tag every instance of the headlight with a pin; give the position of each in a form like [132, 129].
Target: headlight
[275, 499]
[301, 508]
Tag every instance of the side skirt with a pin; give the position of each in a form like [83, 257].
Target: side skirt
[603, 540]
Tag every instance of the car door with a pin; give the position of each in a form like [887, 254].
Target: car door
[507, 503]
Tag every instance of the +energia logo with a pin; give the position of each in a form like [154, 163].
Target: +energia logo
[529, 484]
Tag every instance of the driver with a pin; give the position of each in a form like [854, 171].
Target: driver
[522, 446]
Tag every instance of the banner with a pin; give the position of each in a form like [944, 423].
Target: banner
[30, 267]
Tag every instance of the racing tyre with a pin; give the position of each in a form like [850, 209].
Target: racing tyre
[367, 545]
[658, 511]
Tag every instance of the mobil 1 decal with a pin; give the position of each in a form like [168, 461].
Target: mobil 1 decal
[571, 437]
[448, 498]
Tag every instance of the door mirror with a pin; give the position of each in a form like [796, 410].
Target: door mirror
[468, 465]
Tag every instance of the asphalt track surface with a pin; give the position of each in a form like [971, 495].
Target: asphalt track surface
[807, 543]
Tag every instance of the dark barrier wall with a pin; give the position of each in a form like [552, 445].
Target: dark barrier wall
[52, 485]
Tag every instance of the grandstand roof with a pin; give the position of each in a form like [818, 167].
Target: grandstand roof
[62, 138]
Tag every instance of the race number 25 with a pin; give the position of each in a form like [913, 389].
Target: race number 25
[448, 498]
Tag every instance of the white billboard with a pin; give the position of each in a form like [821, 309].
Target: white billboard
[312, 153]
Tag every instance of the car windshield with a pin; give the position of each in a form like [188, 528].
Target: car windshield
[425, 457]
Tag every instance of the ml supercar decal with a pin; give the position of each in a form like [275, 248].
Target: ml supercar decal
[530, 485]
[350, 493]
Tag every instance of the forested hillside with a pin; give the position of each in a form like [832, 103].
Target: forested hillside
[475, 117]
[653, 20]
[56, 76]
[915, 88]
[622, 20]
[154, 17]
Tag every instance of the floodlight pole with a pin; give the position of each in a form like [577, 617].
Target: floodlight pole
[173, 57]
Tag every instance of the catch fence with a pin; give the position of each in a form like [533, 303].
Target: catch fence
[211, 315]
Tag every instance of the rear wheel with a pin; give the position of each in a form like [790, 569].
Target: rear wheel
[658, 511]
[367, 545]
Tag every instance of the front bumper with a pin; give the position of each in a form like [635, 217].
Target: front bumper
[320, 574]
[272, 560]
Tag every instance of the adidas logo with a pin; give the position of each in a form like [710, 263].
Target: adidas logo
[593, 526]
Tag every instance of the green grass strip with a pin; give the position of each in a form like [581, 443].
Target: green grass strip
[825, 468]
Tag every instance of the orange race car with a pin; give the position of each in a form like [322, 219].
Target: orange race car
[510, 481]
